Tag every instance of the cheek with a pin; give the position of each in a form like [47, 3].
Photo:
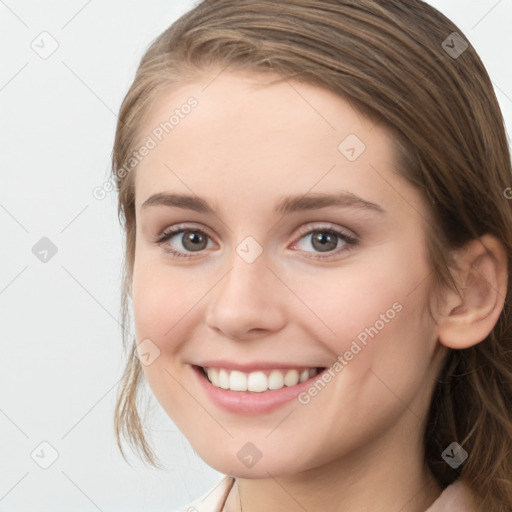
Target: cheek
[374, 313]
[163, 313]
[161, 297]
[343, 302]
[382, 347]
[383, 338]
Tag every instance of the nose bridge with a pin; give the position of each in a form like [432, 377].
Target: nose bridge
[243, 299]
[247, 266]
[248, 277]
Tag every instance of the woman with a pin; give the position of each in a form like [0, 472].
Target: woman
[340, 341]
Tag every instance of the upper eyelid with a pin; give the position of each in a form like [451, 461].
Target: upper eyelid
[177, 228]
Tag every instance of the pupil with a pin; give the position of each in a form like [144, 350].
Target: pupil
[327, 242]
[192, 237]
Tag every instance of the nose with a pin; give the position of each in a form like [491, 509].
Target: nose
[248, 302]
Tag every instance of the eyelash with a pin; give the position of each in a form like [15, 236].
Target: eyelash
[350, 241]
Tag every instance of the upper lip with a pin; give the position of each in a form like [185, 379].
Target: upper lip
[254, 366]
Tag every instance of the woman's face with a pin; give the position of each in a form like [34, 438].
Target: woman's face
[302, 248]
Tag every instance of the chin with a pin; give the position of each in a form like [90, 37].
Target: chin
[237, 462]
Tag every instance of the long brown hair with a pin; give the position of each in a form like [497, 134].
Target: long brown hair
[399, 63]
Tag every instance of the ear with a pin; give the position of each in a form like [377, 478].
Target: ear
[482, 280]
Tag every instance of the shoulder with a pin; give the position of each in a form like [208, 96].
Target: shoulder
[213, 500]
[457, 497]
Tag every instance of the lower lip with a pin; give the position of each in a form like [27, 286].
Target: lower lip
[249, 402]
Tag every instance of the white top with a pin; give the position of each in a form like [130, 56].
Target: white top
[454, 498]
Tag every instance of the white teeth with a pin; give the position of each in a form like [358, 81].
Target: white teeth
[304, 375]
[223, 379]
[213, 375]
[275, 380]
[258, 381]
[237, 381]
[291, 378]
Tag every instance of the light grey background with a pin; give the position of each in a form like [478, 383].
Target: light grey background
[61, 356]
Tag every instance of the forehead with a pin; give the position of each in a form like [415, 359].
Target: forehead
[262, 103]
[249, 137]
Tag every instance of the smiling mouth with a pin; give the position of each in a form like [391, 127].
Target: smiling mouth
[258, 381]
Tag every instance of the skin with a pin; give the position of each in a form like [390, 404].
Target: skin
[358, 444]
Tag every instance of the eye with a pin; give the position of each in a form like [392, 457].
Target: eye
[191, 239]
[323, 239]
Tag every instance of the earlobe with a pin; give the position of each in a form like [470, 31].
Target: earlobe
[469, 318]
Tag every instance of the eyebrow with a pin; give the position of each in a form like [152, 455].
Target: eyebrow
[286, 205]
